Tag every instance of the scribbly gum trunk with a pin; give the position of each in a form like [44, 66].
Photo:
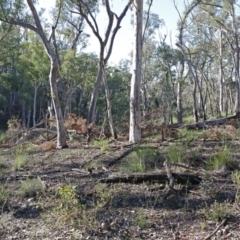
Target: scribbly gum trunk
[61, 134]
[135, 130]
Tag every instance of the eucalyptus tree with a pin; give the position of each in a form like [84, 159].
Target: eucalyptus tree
[108, 40]
[182, 24]
[17, 13]
[152, 23]
[224, 16]
[135, 115]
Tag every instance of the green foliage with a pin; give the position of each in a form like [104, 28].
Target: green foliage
[80, 68]
[222, 159]
[67, 196]
[68, 209]
[31, 187]
[216, 211]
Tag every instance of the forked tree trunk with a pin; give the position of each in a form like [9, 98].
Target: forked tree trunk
[135, 130]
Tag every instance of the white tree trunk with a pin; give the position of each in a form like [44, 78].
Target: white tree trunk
[61, 134]
[135, 130]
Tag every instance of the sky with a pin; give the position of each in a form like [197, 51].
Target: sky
[124, 38]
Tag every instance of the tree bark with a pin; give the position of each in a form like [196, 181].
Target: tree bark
[152, 177]
[35, 103]
[61, 134]
[94, 97]
[135, 130]
[109, 106]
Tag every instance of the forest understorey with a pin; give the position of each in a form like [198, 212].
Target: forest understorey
[185, 187]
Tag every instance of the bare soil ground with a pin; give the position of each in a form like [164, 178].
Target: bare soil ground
[58, 194]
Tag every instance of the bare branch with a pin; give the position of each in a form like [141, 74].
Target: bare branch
[148, 12]
[117, 27]
[94, 29]
[21, 24]
[110, 22]
[40, 28]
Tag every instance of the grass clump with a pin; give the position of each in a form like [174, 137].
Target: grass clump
[140, 160]
[189, 135]
[103, 144]
[19, 162]
[141, 219]
[31, 187]
[216, 211]
[221, 160]
[236, 177]
[3, 194]
[175, 155]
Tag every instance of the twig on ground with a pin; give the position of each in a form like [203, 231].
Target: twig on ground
[217, 228]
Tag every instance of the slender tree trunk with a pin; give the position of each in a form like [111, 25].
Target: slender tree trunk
[61, 136]
[29, 117]
[135, 130]
[41, 110]
[23, 114]
[179, 102]
[35, 104]
[68, 98]
[220, 75]
[195, 113]
[237, 80]
[94, 97]
[144, 98]
[109, 106]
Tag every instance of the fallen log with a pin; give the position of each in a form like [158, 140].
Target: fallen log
[205, 124]
[155, 177]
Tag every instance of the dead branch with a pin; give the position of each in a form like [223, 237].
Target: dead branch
[205, 124]
[217, 228]
[152, 177]
[115, 160]
[171, 180]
